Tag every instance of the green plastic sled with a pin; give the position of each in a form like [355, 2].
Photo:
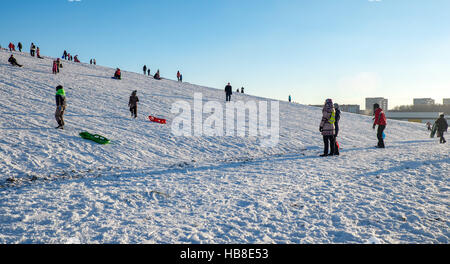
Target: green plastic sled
[96, 138]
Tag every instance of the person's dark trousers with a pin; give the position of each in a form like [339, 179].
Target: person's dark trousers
[442, 137]
[329, 143]
[380, 136]
[228, 98]
[133, 111]
[336, 149]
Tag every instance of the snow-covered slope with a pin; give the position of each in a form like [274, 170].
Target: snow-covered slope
[149, 186]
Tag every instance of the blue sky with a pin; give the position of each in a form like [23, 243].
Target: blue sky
[312, 49]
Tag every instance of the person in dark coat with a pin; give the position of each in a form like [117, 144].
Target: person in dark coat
[65, 54]
[442, 127]
[327, 128]
[20, 46]
[148, 72]
[242, 90]
[336, 128]
[157, 75]
[132, 103]
[60, 106]
[13, 61]
[145, 69]
[32, 49]
[380, 120]
[228, 92]
[118, 74]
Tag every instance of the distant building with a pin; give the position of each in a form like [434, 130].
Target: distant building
[424, 101]
[383, 102]
[418, 117]
[350, 108]
[446, 101]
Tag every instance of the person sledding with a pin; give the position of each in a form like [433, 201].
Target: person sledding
[380, 120]
[442, 127]
[118, 74]
[60, 106]
[13, 61]
[75, 59]
[157, 75]
[38, 53]
[327, 128]
[132, 103]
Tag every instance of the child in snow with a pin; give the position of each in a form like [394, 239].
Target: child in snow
[157, 75]
[55, 67]
[38, 53]
[132, 103]
[327, 127]
[380, 120]
[118, 74]
[13, 61]
[60, 106]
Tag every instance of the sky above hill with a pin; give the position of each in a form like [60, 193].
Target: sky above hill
[311, 49]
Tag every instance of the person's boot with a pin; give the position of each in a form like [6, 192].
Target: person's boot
[324, 155]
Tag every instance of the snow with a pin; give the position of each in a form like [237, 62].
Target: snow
[150, 186]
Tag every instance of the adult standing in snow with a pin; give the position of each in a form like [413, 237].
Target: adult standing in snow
[181, 77]
[380, 120]
[290, 98]
[132, 103]
[90, 61]
[95, 62]
[336, 126]
[228, 92]
[20, 46]
[145, 69]
[65, 54]
[148, 71]
[242, 90]
[13, 61]
[442, 127]
[178, 75]
[11, 46]
[32, 49]
[60, 106]
[327, 128]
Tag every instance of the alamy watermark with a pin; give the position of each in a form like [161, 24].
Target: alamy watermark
[190, 121]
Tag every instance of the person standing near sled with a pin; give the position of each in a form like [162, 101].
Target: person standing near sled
[442, 127]
[228, 92]
[336, 128]
[132, 103]
[327, 128]
[60, 106]
[380, 120]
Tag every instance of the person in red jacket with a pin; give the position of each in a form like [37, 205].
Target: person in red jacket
[11, 46]
[380, 120]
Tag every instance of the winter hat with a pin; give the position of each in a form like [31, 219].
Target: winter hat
[376, 106]
[442, 115]
[329, 102]
[336, 106]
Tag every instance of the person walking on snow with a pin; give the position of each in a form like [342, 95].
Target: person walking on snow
[145, 69]
[19, 46]
[380, 120]
[11, 46]
[32, 49]
[132, 103]
[228, 92]
[178, 75]
[55, 67]
[13, 61]
[336, 126]
[290, 98]
[148, 71]
[327, 128]
[60, 106]
[442, 127]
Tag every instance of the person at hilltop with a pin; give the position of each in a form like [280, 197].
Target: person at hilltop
[228, 92]
[290, 98]
[157, 75]
[148, 72]
[11, 47]
[38, 53]
[19, 46]
[327, 128]
[242, 90]
[178, 75]
[145, 69]
[59, 64]
[181, 77]
[118, 74]
[75, 59]
[13, 61]
[380, 120]
[32, 49]
[60, 106]
[442, 127]
[336, 128]
[90, 61]
[132, 103]
[65, 54]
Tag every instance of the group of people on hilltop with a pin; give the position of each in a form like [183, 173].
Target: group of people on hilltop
[12, 47]
[93, 61]
[146, 71]
[69, 57]
[229, 92]
[179, 76]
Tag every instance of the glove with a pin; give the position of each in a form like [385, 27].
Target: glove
[321, 129]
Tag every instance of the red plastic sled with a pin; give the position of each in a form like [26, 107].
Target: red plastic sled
[157, 120]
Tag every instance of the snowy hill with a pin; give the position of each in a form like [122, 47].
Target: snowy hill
[150, 186]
